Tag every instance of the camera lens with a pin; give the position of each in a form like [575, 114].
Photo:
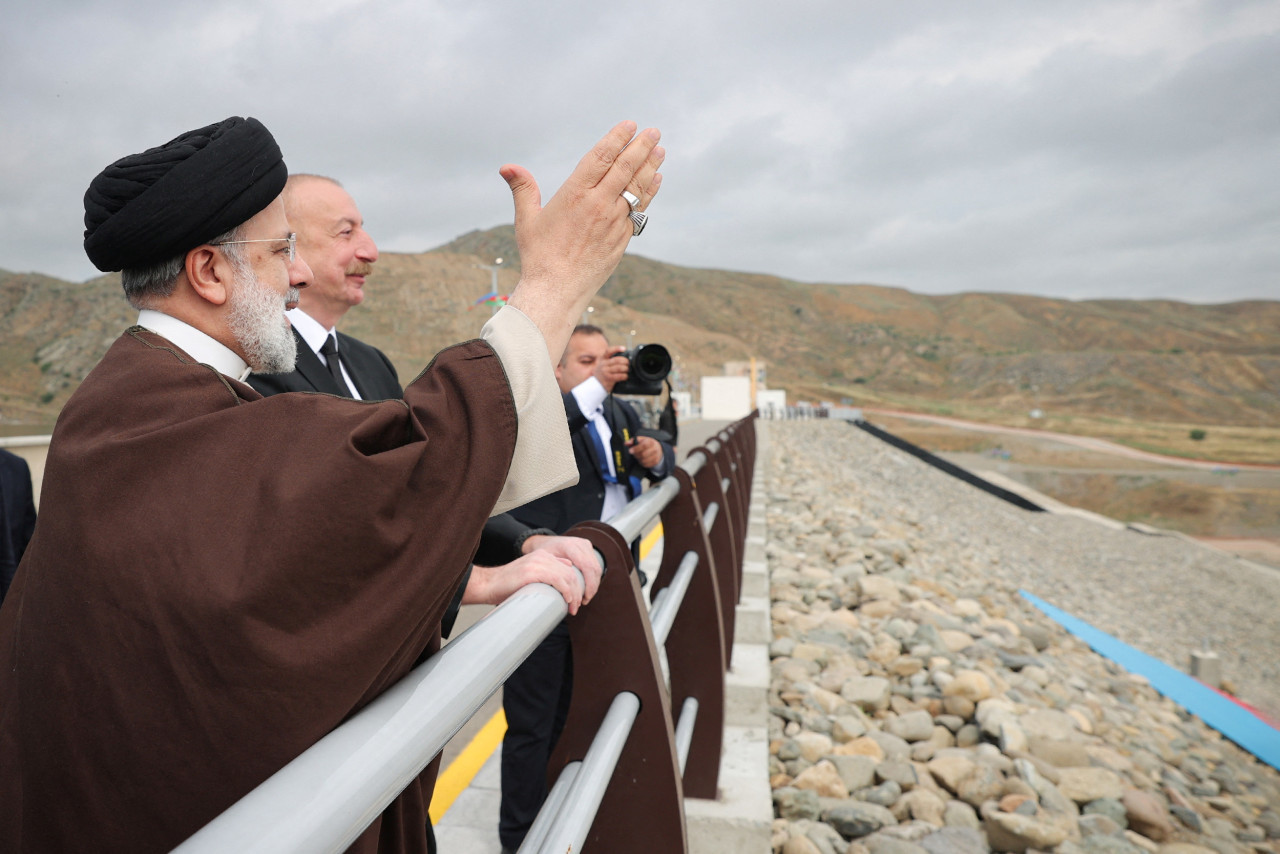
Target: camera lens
[651, 363]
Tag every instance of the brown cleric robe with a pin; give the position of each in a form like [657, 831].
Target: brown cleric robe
[218, 579]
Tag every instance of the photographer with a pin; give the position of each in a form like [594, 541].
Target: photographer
[612, 459]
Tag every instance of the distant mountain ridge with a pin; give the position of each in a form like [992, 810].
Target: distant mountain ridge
[867, 344]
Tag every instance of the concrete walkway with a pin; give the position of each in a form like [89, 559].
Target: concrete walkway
[739, 820]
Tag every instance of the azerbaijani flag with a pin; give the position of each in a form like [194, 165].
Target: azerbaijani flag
[491, 298]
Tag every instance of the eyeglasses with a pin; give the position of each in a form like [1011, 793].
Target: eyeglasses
[292, 238]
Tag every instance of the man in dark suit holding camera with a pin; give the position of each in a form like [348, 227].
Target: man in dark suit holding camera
[612, 459]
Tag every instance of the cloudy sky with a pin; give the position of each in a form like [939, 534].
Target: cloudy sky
[1082, 150]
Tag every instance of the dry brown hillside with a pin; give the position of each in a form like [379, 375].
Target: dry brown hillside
[989, 356]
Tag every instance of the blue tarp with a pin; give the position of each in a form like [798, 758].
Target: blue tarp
[1231, 719]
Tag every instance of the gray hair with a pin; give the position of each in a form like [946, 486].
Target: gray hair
[143, 286]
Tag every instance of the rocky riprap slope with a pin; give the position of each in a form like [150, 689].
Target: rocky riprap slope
[919, 704]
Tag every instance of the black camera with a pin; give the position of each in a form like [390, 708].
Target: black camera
[649, 366]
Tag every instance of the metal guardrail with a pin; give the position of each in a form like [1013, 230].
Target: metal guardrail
[614, 791]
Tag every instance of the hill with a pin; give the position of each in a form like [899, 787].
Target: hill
[988, 356]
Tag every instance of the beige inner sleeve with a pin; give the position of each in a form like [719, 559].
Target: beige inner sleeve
[543, 461]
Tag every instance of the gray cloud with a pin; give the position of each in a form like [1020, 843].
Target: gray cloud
[1119, 149]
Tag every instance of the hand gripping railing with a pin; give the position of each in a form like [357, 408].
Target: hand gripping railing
[621, 767]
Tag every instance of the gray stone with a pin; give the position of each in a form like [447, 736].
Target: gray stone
[1038, 635]
[951, 722]
[920, 805]
[856, 819]
[1270, 822]
[1051, 799]
[1012, 738]
[823, 836]
[955, 840]
[881, 843]
[1049, 724]
[1063, 754]
[788, 749]
[885, 795]
[848, 727]
[902, 773]
[1225, 776]
[1013, 832]
[912, 831]
[1189, 817]
[950, 768]
[913, 726]
[960, 814]
[813, 746]
[1205, 788]
[1109, 845]
[1147, 815]
[870, 693]
[793, 803]
[801, 844]
[928, 636]
[1109, 807]
[1099, 825]
[893, 746]
[858, 772]
[1252, 833]
[782, 648]
[981, 784]
[1083, 785]
[796, 767]
[1016, 662]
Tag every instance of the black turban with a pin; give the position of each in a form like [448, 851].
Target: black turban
[147, 208]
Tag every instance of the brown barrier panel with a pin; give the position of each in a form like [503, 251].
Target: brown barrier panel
[721, 537]
[697, 649]
[740, 495]
[613, 651]
[731, 468]
[749, 434]
[744, 435]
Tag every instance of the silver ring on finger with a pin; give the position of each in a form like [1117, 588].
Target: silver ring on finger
[638, 221]
[631, 198]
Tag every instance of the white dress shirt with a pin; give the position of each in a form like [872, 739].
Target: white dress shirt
[315, 335]
[194, 343]
[590, 395]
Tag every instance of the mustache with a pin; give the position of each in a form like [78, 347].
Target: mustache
[360, 268]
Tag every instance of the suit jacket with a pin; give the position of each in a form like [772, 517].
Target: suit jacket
[582, 502]
[18, 515]
[370, 369]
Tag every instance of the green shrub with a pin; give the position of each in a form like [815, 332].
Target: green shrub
[1197, 435]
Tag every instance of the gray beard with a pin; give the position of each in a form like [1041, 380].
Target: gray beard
[258, 324]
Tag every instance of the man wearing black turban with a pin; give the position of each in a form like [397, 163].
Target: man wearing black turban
[170, 641]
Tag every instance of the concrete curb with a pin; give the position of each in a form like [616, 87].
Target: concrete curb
[740, 819]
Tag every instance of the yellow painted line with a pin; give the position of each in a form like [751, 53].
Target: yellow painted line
[462, 770]
[647, 544]
[455, 779]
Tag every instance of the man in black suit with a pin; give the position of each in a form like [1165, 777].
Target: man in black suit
[332, 240]
[612, 459]
[17, 515]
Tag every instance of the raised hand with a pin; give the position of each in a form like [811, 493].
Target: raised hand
[569, 246]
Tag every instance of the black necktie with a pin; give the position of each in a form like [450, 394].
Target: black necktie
[330, 352]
